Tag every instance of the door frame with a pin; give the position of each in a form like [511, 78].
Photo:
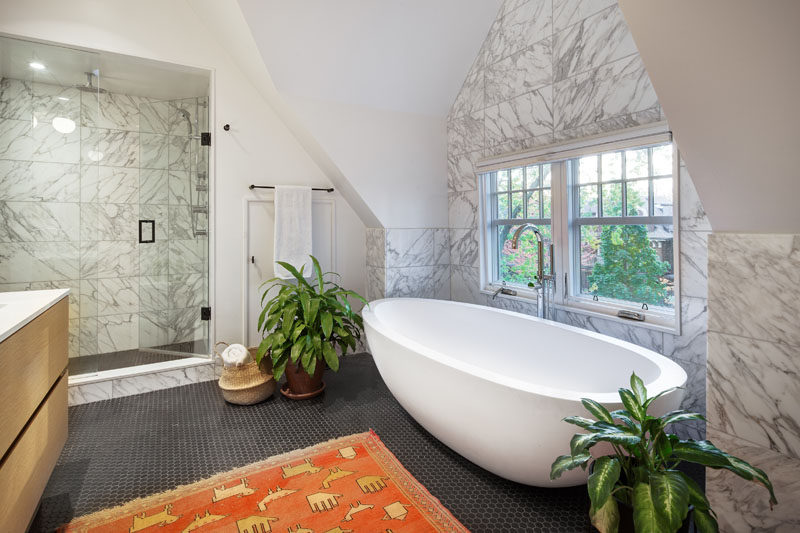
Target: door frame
[269, 198]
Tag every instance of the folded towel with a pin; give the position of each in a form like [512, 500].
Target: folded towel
[236, 355]
[292, 229]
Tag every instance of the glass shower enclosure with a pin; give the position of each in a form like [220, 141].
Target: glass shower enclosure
[104, 189]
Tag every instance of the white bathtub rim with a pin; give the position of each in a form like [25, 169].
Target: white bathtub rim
[670, 372]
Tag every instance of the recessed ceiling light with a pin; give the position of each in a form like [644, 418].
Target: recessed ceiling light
[35, 65]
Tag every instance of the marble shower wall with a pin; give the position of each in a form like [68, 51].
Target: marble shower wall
[69, 220]
[411, 263]
[754, 375]
[552, 71]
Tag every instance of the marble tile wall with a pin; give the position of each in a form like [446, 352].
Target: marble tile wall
[550, 72]
[70, 205]
[754, 375]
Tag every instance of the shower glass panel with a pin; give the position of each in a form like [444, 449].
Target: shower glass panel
[104, 190]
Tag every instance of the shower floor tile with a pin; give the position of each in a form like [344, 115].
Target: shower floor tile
[87, 364]
[131, 447]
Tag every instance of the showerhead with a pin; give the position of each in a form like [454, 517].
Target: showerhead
[187, 116]
[90, 87]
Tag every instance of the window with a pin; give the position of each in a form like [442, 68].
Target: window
[608, 208]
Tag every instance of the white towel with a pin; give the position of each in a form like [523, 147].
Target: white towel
[236, 355]
[292, 229]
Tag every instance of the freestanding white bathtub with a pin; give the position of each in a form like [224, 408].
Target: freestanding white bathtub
[494, 385]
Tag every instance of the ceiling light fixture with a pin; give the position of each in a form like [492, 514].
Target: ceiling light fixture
[35, 65]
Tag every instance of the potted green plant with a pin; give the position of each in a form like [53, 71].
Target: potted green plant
[638, 488]
[302, 325]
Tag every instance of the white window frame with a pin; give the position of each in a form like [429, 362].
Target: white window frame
[561, 224]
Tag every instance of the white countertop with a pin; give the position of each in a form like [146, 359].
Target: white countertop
[19, 308]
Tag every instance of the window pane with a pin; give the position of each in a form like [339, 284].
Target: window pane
[520, 266]
[636, 164]
[587, 169]
[546, 173]
[517, 207]
[636, 197]
[632, 263]
[612, 199]
[502, 180]
[612, 166]
[502, 205]
[662, 160]
[662, 197]
[588, 201]
[532, 177]
[533, 204]
[546, 203]
[517, 179]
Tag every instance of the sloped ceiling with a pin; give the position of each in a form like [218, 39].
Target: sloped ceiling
[727, 75]
[409, 56]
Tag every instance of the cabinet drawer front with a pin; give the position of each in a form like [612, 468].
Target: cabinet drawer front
[27, 467]
[30, 362]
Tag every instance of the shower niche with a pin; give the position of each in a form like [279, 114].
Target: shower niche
[104, 189]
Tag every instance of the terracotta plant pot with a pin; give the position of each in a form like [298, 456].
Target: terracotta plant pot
[300, 385]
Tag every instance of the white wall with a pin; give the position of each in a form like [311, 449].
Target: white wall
[257, 149]
[395, 160]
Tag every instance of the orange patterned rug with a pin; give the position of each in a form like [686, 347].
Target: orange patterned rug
[352, 484]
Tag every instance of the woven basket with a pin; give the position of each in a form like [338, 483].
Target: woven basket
[246, 384]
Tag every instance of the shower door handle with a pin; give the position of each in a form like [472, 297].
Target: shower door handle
[253, 259]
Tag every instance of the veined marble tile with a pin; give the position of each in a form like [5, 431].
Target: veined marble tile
[178, 125]
[569, 12]
[153, 293]
[464, 248]
[16, 99]
[508, 6]
[754, 286]
[39, 221]
[162, 380]
[38, 261]
[523, 117]
[90, 298]
[159, 213]
[118, 185]
[441, 246]
[109, 222]
[518, 145]
[72, 285]
[465, 133]
[178, 187]
[694, 263]
[461, 173]
[595, 41]
[185, 325]
[180, 222]
[465, 285]
[110, 111]
[471, 96]
[118, 296]
[153, 328]
[51, 101]
[21, 140]
[463, 209]
[615, 89]
[113, 148]
[89, 184]
[117, 259]
[409, 247]
[418, 282]
[39, 181]
[376, 283]
[376, 247]
[88, 254]
[527, 24]
[620, 122]
[645, 337]
[520, 73]
[690, 345]
[90, 392]
[187, 256]
[188, 290]
[117, 332]
[88, 336]
[511, 304]
[154, 151]
[754, 391]
[179, 153]
[154, 258]
[154, 117]
[743, 506]
[153, 187]
[693, 216]
[74, 347]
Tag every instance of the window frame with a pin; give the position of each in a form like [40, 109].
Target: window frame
[563, 224]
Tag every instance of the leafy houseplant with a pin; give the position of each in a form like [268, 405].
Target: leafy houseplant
[303, 324]
[641, 474]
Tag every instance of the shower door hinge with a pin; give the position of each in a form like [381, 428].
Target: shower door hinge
[205, 139]
[205, 313]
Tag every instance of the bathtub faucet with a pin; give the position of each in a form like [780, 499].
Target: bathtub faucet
[546, 282]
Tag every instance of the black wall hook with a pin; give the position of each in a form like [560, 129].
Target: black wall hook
[226, 127]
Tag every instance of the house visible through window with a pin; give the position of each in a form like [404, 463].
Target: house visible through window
[609, 213]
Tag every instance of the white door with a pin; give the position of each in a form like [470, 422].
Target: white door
[260, 251]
